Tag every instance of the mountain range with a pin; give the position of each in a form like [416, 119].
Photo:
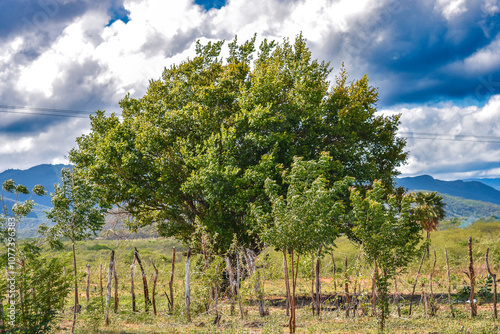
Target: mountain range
[474, 190]
[467, 199]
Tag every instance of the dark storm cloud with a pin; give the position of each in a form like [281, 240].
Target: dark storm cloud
[408, 46]
[477, 166]
[76, 90]
[40, 23]
[21, 17]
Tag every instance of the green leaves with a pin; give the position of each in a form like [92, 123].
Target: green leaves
[9, 185]
[388, 232]
[429, 209]
[19, 209]
[75, 211]
[309, 215]
[389, 235]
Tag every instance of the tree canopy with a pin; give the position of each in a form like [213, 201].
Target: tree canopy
[198, 147]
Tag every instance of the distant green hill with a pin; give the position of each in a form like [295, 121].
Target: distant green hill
[28, 226]
[46, 175]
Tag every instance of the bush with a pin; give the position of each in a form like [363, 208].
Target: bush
[42, 285]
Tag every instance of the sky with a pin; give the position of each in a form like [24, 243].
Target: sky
[437, 63]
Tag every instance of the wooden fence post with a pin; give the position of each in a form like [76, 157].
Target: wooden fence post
[449, 283]
[494, 276]
[144, 279]
[155, 278]
[116, 287]
[101, 288]
[108, 293]
[472, 277]
[87, 291]
[415, 283]
[187, 297]
[171, 284]
[132, 290]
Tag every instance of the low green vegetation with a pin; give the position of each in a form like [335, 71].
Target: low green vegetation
[358, 276]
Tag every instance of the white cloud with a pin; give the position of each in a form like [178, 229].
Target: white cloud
[94, 65]
[161, 33]
[451, 141]
[481, 62]
[491, 7]
[49, 146]
[450, 8]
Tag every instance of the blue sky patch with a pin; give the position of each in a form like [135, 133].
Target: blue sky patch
[209, 4]
[118, 13]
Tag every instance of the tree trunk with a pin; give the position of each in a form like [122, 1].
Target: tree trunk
[449, 283]
[260, 296]
[238, 280]
[76, 306]
[295, 267]
[334, 274]
[318, 284]
[101, 288]
[472, 277]
[132, 290]
[187, 297]
[171, 284]
[432, 274]
[383, 297]
[415, 283]
[116, 287]
[396, 295]
[144, 279]
[87, 291]
[155, 278]
[494, 276]
[374, 290]
[108, 287]
[216, 297]
[287, 284]
[232, 284]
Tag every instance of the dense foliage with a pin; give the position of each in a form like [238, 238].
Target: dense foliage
[198, 147]
[389, 235]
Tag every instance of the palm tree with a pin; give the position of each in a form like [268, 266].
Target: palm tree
[429, 210]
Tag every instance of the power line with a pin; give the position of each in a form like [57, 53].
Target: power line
[51, 112]
[40, 114]
[456, 139]
[449, 135]
[441, 136]
[44, 109]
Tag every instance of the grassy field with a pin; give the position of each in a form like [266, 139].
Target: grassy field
[332, 320]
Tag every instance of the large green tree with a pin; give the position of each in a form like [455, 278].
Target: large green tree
[198, 147]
